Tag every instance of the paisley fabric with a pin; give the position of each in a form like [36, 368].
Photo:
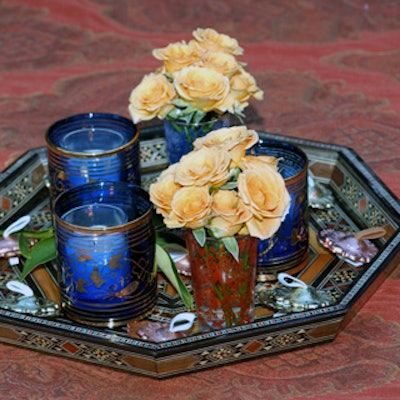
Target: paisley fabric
[330, 72]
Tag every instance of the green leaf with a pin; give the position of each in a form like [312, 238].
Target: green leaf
[215, 231]
[24, 246]
[229, 186]
[180, 103]
[231, 245]
[157, 220]
[200, 235]
[167, 266]
[45, 250]
[43, 234]
[235, 173]
[167, 237]
[170, 247]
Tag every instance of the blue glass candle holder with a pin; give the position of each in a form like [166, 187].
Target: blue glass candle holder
[179, 135]
[105, 243]
[92, 147]
[289, 246]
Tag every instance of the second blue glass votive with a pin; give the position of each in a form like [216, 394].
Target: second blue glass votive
[105, 243]
[92, 147]
[288, 247]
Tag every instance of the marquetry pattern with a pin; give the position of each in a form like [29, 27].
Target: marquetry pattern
[198, 359]
[55, 344]
[355, 195]
[152, 152]
[280, 341]
[20, 190]
[342, 279]
[42, 217]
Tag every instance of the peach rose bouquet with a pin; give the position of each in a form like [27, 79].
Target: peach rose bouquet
[197, 82]
[220, 191]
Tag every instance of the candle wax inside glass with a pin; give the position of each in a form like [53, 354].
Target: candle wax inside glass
[95, 216]
[92, 140]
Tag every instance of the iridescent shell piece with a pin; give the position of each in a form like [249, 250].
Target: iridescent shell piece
[36, 306]
[22, 300]
[350, 246]
[294, 296]
[319, 196]
[152, 331]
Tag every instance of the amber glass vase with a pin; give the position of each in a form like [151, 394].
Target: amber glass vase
[223, 287]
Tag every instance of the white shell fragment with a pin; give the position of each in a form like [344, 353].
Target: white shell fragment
[159, 331]
[16, 226]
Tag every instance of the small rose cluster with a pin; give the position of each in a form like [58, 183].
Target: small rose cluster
[220, 188]
[198, 78]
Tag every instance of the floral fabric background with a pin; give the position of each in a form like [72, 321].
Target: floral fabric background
[329, 71]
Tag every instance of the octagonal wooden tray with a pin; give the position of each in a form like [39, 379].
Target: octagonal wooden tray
[361, 201]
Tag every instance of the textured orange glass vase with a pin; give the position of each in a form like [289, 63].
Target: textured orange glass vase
[223, 287]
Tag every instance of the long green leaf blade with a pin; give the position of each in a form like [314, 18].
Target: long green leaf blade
[24, 246]
[167, 266]
[45, 250]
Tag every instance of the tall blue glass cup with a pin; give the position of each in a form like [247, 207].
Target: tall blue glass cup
[288, 247]
[92, 147]
[105, 243]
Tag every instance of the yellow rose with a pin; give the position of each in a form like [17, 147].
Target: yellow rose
[210, 39]
[178, 55]
[203, 88]
[235, 140]
[203, 167]
[223, 227]
[224, 63]
[264, 192]
[163, 190]
[190, 208]
[231, 214]
[243, 87]
[228, 206]
[151, 98]
[259, 161]
[263, 229]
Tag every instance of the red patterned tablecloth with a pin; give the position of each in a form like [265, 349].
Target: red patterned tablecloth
[330, 72]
